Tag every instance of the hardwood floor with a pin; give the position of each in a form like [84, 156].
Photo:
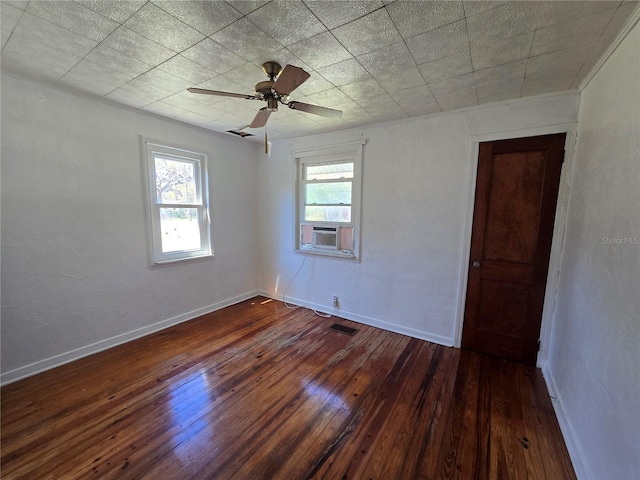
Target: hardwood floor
[259, 391]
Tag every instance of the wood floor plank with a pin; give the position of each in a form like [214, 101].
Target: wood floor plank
[425, 406]
[379, 406]
[320, 399]
[460, 450]
[389, 452]
[119, 414]
[340, 392]
[140, 394]
[431, 444]
[260, 391]
[514, 444]
[63, 387]
[262, 396]
[340, 452]
[226, 414]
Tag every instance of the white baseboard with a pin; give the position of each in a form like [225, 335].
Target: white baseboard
[568, 433]
[373, 322]
[67, 357]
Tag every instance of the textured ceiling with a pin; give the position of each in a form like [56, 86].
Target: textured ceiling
[374, 60]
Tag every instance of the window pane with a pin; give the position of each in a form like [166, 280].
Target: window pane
[314, 213]
[175, 181]
[330, 171]
[328, 193]
[180, 229]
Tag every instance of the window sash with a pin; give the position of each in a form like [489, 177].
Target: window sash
[197, 178]
[304, 182]
[306, 191]
[172, 228]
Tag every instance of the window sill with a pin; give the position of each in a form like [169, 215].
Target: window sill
[344, 254]
[180, 261]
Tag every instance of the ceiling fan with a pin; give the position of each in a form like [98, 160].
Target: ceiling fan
[276, 90]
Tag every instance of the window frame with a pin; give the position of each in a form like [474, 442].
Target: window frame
[158, 258]
[345, 153]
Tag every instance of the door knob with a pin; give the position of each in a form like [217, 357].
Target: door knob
[476, 264]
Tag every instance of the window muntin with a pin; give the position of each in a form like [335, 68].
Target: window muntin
[178, 204]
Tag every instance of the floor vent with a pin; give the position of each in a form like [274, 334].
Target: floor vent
[342, 329]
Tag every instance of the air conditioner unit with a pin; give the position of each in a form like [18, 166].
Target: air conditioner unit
[325, 238]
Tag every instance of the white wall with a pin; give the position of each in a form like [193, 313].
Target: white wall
[418, 178]
[594, 360]
[75, 275]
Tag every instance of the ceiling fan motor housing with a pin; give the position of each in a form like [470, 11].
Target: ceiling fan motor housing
[264, 89]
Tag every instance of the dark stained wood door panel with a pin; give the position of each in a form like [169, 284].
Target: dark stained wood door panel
[515, 203]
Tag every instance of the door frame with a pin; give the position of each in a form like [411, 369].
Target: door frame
[558, 227]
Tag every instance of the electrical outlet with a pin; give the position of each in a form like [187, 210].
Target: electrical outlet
[335, 301]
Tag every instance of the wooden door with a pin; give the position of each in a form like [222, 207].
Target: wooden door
[515, 203]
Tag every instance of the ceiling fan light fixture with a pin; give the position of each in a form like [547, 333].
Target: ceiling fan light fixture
[272, 104]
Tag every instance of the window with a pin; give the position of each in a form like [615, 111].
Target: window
[328, 199]
[178, 204]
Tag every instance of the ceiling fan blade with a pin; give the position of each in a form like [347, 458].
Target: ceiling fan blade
[315, 109]
[221, 94]
[289, 79]
[260, 120]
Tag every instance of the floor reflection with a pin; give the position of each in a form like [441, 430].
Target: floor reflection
[325, 396]
[190, 402]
